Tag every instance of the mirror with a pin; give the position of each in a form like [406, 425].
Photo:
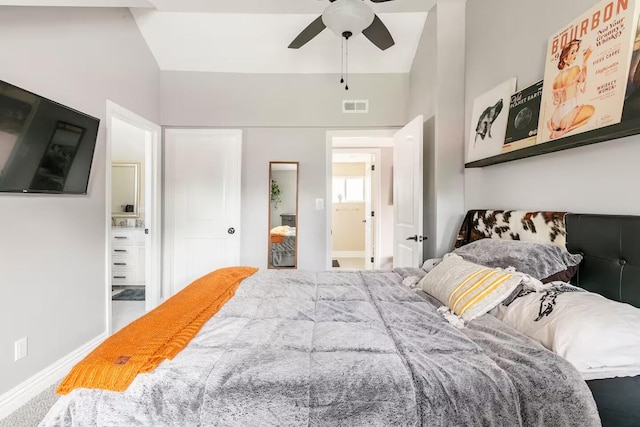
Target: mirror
[124, 190]
[283, 215]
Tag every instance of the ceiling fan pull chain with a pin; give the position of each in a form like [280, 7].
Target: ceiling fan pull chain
[342, 61]
[346, 67]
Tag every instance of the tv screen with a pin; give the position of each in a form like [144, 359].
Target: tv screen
[45, 147]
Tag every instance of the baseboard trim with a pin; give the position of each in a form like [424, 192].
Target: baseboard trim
[27, 390]
[348, 254]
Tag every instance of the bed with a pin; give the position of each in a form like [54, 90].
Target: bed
[366, 348]
[610, 246]
[282, 252]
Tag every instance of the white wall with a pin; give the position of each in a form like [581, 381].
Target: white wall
[599, 178]
[52, 248]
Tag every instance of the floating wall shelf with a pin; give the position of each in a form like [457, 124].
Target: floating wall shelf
[619, 130]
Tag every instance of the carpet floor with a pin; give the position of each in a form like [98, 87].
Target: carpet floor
[31, 413]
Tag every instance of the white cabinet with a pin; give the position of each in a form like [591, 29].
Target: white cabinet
[127, 257]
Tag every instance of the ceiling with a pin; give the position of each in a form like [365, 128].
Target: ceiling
[251, 36]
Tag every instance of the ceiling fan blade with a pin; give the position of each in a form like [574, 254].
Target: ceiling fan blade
[380, 1]
[308, 33]
[379, 35]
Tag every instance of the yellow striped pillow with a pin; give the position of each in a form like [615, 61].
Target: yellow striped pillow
[469, 290]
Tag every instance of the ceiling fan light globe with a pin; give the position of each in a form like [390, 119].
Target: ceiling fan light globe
[348, 16]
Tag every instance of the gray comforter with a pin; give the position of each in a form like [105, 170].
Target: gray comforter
[349, 349]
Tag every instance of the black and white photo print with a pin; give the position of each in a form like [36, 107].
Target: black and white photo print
[489, 121]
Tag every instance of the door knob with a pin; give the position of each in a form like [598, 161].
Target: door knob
[413, 238]
[231, 230]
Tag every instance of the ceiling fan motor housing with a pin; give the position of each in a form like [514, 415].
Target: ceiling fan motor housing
[348, 16]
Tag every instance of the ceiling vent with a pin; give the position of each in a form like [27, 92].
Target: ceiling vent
[352, 106]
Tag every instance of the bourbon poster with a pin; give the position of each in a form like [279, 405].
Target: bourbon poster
[631, 109]
[586, 70]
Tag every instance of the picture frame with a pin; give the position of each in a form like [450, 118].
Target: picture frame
[489, 121]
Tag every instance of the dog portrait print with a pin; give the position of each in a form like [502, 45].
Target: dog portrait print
[488, 121]
[488, 116]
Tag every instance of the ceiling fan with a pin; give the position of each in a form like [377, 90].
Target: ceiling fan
[348, 18]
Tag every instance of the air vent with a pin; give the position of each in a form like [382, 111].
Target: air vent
[355, 106]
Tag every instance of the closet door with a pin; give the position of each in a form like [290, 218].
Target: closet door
[202, 203]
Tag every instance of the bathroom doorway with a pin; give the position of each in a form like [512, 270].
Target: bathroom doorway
[133, 220]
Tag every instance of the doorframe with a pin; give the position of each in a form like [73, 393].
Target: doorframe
[353, 139]
[153, 216]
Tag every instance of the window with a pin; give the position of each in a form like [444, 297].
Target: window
[347, 189]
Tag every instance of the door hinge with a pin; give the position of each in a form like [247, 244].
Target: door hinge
[373, 213]
[373, 167]
[371, 259]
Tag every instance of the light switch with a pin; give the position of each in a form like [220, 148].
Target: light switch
[20, 349]
[319, 204]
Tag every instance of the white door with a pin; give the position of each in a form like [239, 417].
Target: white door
[407, 195]
[202, 193]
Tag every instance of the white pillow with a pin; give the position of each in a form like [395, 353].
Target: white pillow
[589, 330]
[469, 290]
[428, 264]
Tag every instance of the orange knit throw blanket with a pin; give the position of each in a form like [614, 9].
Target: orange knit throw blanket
[160, 334]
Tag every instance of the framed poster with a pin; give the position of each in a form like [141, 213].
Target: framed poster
[489, 121]
[631, 108]
[586, 70]
[524, 112]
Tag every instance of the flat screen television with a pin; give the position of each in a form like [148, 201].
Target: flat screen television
[45, 147]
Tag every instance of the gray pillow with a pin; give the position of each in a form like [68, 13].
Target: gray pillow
[545, 262]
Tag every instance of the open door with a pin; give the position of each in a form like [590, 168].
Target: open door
[407, 195]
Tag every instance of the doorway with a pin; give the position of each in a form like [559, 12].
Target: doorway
[133, 216]
[354, 195]
[359, 199]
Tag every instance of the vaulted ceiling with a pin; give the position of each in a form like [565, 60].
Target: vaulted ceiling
[251, 36]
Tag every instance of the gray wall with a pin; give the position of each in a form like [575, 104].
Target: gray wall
[52, 250]
[423, 76]
[307, 146]
[284, 118]
[437, 92]
[288, 183]
[600, 178]
[284, 100]
[385, 216]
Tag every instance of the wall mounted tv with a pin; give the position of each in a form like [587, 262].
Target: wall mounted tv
[45, 147]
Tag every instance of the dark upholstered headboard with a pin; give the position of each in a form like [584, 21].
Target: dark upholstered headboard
[610, 245]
